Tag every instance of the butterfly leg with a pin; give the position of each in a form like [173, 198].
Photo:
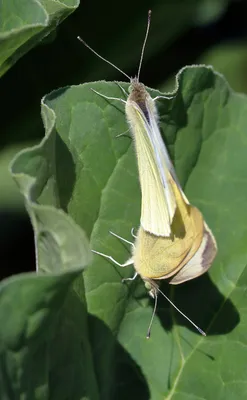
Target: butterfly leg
[108, 97]
[128, 262]
[130, 279]
[161, 97]
[121, 238]
[124, 134]
[126, 94]
[114, 98]
[132, 233]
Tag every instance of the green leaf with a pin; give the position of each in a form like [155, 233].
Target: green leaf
[24, 24]
[10, 197]
[209, 11]
[230, 59]
[44, 340]
[82, 168]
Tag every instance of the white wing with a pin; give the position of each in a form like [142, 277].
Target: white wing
[156, 172]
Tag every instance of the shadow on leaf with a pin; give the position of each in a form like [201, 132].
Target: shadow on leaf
[202, 302]
[117, 373]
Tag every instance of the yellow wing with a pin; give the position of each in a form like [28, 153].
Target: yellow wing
[201, 260]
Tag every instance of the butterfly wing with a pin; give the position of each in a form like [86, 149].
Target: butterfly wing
[200, 262]
[158, 198]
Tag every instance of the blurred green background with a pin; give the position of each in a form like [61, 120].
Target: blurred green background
[183, 32]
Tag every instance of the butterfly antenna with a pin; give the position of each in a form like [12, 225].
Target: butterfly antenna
[102, 58]
[185, 316]
[152, 318]
[144, 44]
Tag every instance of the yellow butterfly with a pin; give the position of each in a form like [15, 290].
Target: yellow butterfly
[173, 240]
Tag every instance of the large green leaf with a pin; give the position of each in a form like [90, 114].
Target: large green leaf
[82, 168]
[44, 329]
[44, 340]
[24, 23]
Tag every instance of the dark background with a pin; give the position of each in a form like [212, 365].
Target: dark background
[182, 33]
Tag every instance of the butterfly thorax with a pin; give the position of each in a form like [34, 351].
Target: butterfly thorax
[139, 101]
[137, 91]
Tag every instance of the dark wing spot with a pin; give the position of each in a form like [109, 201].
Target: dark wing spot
[144, 109]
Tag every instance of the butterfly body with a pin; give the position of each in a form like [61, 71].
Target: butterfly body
[172, 230]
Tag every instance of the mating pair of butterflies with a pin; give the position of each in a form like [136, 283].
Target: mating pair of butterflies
[173, 240]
